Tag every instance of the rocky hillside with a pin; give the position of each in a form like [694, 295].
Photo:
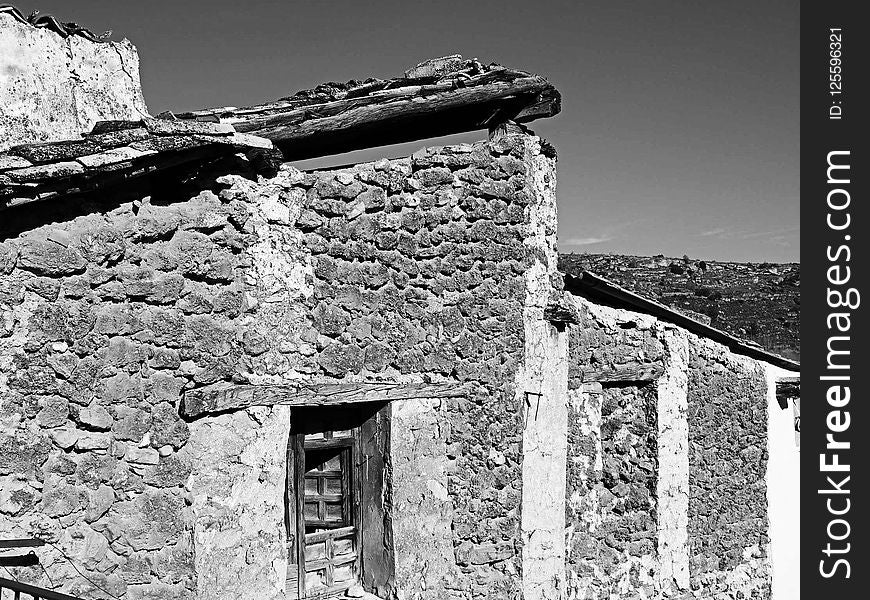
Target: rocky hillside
[756, 302]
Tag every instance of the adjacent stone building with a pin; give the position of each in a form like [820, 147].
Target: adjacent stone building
[682, 466]
[221, 376]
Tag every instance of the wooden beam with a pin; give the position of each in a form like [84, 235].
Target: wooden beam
[221, 398]
[21, 543]
[622, 373]
[378, 121]
[19, 560]
[315, 123]
[788, 388]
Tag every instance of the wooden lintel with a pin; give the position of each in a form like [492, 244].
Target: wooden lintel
[216, 399]
[21, 543]
[622, 373]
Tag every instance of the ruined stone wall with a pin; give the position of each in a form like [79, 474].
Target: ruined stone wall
[728, 526]
[666, 461]
[611, 514]
[613, 346]
[54, 88]
[403, 270]
[420, 270]
[106, 318]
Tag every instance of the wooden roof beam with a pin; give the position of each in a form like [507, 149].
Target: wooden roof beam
[448, 96]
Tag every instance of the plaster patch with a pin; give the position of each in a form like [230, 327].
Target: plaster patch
[238, 489]
[422, 512]
[783, 491]
[673, 449]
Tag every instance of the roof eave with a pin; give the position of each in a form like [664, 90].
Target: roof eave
[596, 287]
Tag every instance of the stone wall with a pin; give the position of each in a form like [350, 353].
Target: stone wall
[107, 317]
[421, 269]
[612, 506]
[54, 88]
[666, 463]
[405, 270]
[728, 527]
[611, 513]
[236, 490]
[422, 510]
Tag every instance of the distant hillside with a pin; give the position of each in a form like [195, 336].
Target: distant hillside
[756, 302]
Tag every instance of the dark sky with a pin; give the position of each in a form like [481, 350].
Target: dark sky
[679, 131]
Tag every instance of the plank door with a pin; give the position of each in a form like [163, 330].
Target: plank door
[326, 521]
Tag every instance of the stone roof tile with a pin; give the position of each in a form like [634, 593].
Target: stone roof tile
[176, 127]
[112, 126]
[113, 156]
[63, 29]
[13, 162]
[38, 173]
[116, 151]
[52, 152]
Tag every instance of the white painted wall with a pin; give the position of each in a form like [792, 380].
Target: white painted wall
[544, 388]
[54, 88]
[422, 511]
[783, 492]
[673, 481]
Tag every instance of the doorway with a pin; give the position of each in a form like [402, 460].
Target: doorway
[338, 532]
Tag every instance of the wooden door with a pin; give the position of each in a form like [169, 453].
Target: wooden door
[326, 515]
[338, 530]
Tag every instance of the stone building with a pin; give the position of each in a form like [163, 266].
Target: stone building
[221, 376]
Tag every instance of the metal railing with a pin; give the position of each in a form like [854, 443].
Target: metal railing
[11, 589]
[15, 590]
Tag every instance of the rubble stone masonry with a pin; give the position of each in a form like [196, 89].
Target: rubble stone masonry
[609, 456]
[407, 270]
[728, 524]
[666, 463]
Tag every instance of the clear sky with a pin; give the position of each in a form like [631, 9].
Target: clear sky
[679, 132]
